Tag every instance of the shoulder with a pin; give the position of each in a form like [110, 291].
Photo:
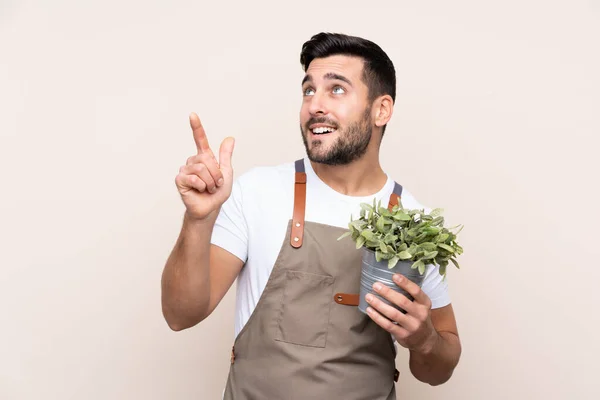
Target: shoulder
[264, 185]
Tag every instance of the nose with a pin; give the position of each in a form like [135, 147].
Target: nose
[318, 105]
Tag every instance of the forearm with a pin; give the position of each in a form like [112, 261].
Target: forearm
[186, 279]
[436, 364]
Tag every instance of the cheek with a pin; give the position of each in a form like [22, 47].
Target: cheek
[304, 114]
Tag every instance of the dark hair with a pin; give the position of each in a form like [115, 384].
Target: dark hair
[378, 73]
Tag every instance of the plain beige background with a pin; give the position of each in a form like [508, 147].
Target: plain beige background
[496, 121]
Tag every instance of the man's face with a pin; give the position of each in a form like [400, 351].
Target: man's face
[335, 117]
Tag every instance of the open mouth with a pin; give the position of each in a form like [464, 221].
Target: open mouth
[323, 130]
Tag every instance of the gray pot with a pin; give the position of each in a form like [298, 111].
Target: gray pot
[373, 270]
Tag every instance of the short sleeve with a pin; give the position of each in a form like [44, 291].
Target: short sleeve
[231, 230]
[436, 287]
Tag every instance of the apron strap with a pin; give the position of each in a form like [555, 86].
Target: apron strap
[299, 205]
[396, 194]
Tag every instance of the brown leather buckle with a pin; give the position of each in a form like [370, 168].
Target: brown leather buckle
[346, 299]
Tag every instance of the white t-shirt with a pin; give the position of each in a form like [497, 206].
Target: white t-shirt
[253, 222]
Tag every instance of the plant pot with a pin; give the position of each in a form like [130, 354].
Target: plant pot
[377, 271]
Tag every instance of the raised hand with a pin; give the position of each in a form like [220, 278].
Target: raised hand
[203, 182]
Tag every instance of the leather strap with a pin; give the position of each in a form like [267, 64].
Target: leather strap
[395, 195]
[299, 205]
[346, 299]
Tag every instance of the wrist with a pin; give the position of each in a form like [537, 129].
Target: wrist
[196, 222]
[429, 344]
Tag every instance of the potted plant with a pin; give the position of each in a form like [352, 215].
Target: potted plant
[400, 241]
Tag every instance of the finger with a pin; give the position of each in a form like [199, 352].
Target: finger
[199, 134]
[390, 312]
[394, 297]
[226, 151]
[385, 323]
[412, 288]
[202, 172]
[210, 163]
[190, 182]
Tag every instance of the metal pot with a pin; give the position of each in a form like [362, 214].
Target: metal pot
[373, 271]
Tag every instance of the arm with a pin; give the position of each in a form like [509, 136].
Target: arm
[197, 275]
[431, 336]
[435, 363]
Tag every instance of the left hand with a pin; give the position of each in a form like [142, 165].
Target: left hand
[414, 330]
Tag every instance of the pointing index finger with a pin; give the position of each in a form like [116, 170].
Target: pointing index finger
[199, 134]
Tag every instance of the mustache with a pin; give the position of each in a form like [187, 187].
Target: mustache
[321, 120]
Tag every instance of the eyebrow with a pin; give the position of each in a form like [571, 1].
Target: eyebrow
[329, 76]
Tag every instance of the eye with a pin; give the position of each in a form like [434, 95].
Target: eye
[339, 90]
[309, 92]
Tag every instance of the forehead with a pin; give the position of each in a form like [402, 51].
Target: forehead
[348, 66]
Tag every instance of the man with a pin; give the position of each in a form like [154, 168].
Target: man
[276, 230]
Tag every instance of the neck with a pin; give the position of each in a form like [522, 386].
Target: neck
[362, 177]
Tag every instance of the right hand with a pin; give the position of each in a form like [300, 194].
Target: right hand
[203, 183]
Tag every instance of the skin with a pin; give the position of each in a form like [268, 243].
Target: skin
[197, 275]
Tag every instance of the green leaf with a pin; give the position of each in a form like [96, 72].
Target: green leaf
[385, 212]
[392, 262]
[389, 239]
[402, 247]
[359, 225]
[428, 246]
[443, 237]
[368, 235]
[429, 255]
[366, 207]
[412, 232]
[360, 242]
[442, 270]
[381, 224]
[438, 221]
[421, 268]
[432, 230]
[346, 234]
[401, 216]
[383, 247]
[418, 265]
[455, 263]
[378, 255]
[436, 212]
[446, 247]
[404, 255]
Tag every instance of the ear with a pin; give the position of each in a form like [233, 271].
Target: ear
[384, 107]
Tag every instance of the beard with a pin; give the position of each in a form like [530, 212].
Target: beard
[351, 144]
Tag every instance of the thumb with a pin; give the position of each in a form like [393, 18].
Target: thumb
[225, 152]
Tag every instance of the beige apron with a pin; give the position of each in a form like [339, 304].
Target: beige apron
[306, 339]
